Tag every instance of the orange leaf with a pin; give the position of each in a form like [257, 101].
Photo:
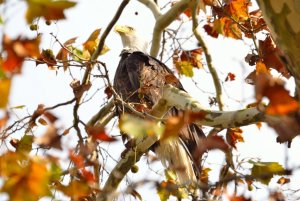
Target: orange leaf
[49, 9]
[173, 126]
[17, 50]
[281, 102]
[283, 180]
[227, 27]
[75, 189]
[238, 9]
[91, 43]
[4, 91]
[98, 133]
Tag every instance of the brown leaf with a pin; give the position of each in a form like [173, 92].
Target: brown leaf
[108, 91]
[50, 116]
[72, 191]
[50, 138]
[48, 57]
[210, 143]
[233, 136]
[271, 56]
[98, 133]
[63, 53]
[79, 89]
[283, 180]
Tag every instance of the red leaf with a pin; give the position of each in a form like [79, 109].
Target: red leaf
[210, 31]
[230, 77]
[233, 136]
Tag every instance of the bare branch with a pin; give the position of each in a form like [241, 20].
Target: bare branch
[211, 68]
[165, 20]
[153, 7]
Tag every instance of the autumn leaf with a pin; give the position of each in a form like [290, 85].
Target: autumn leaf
[98, 133]
[264, 171]
[64, 52]
[233, 136]
[24, 181]
[204, 175]
[91, 44]
[4, 92]
[72, 189]
[79, 89]
[238, 9]
[4, 119]
[50, 116]
[25, 144]
[173, 126]
[109, 92]
[17, 50]
[210, 143]
[227, 28]
[281, 102]
[48, 9]
[137, 127]
[210, 30]
[283, 180]
[230, 77]
[185, 61]
[50, 138]
[271, 56]
[47, 57]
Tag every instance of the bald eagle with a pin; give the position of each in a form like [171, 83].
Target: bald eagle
[138, 80]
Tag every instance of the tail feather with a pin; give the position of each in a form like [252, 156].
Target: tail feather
[174, 156]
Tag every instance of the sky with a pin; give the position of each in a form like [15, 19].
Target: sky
[40, 85]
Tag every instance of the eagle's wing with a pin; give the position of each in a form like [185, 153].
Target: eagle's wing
[139, 79]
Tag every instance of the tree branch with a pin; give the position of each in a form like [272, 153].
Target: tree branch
[180, 99]
[165, 20]
[208, 58]
[153, 7]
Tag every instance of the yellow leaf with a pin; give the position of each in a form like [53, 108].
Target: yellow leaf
[4, 92]
[49, 9]
[185, 68]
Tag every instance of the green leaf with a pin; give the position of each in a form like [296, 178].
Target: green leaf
[25, 144]
[137, 127]
[18, 107]
[185, 68]
[264, 171]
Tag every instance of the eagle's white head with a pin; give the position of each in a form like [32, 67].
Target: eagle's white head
[131, 39]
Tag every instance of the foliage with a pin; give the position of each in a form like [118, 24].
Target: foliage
[29, 169]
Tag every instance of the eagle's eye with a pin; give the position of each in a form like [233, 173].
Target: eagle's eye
[130, 28]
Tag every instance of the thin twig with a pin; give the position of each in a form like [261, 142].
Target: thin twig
[211, 68]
